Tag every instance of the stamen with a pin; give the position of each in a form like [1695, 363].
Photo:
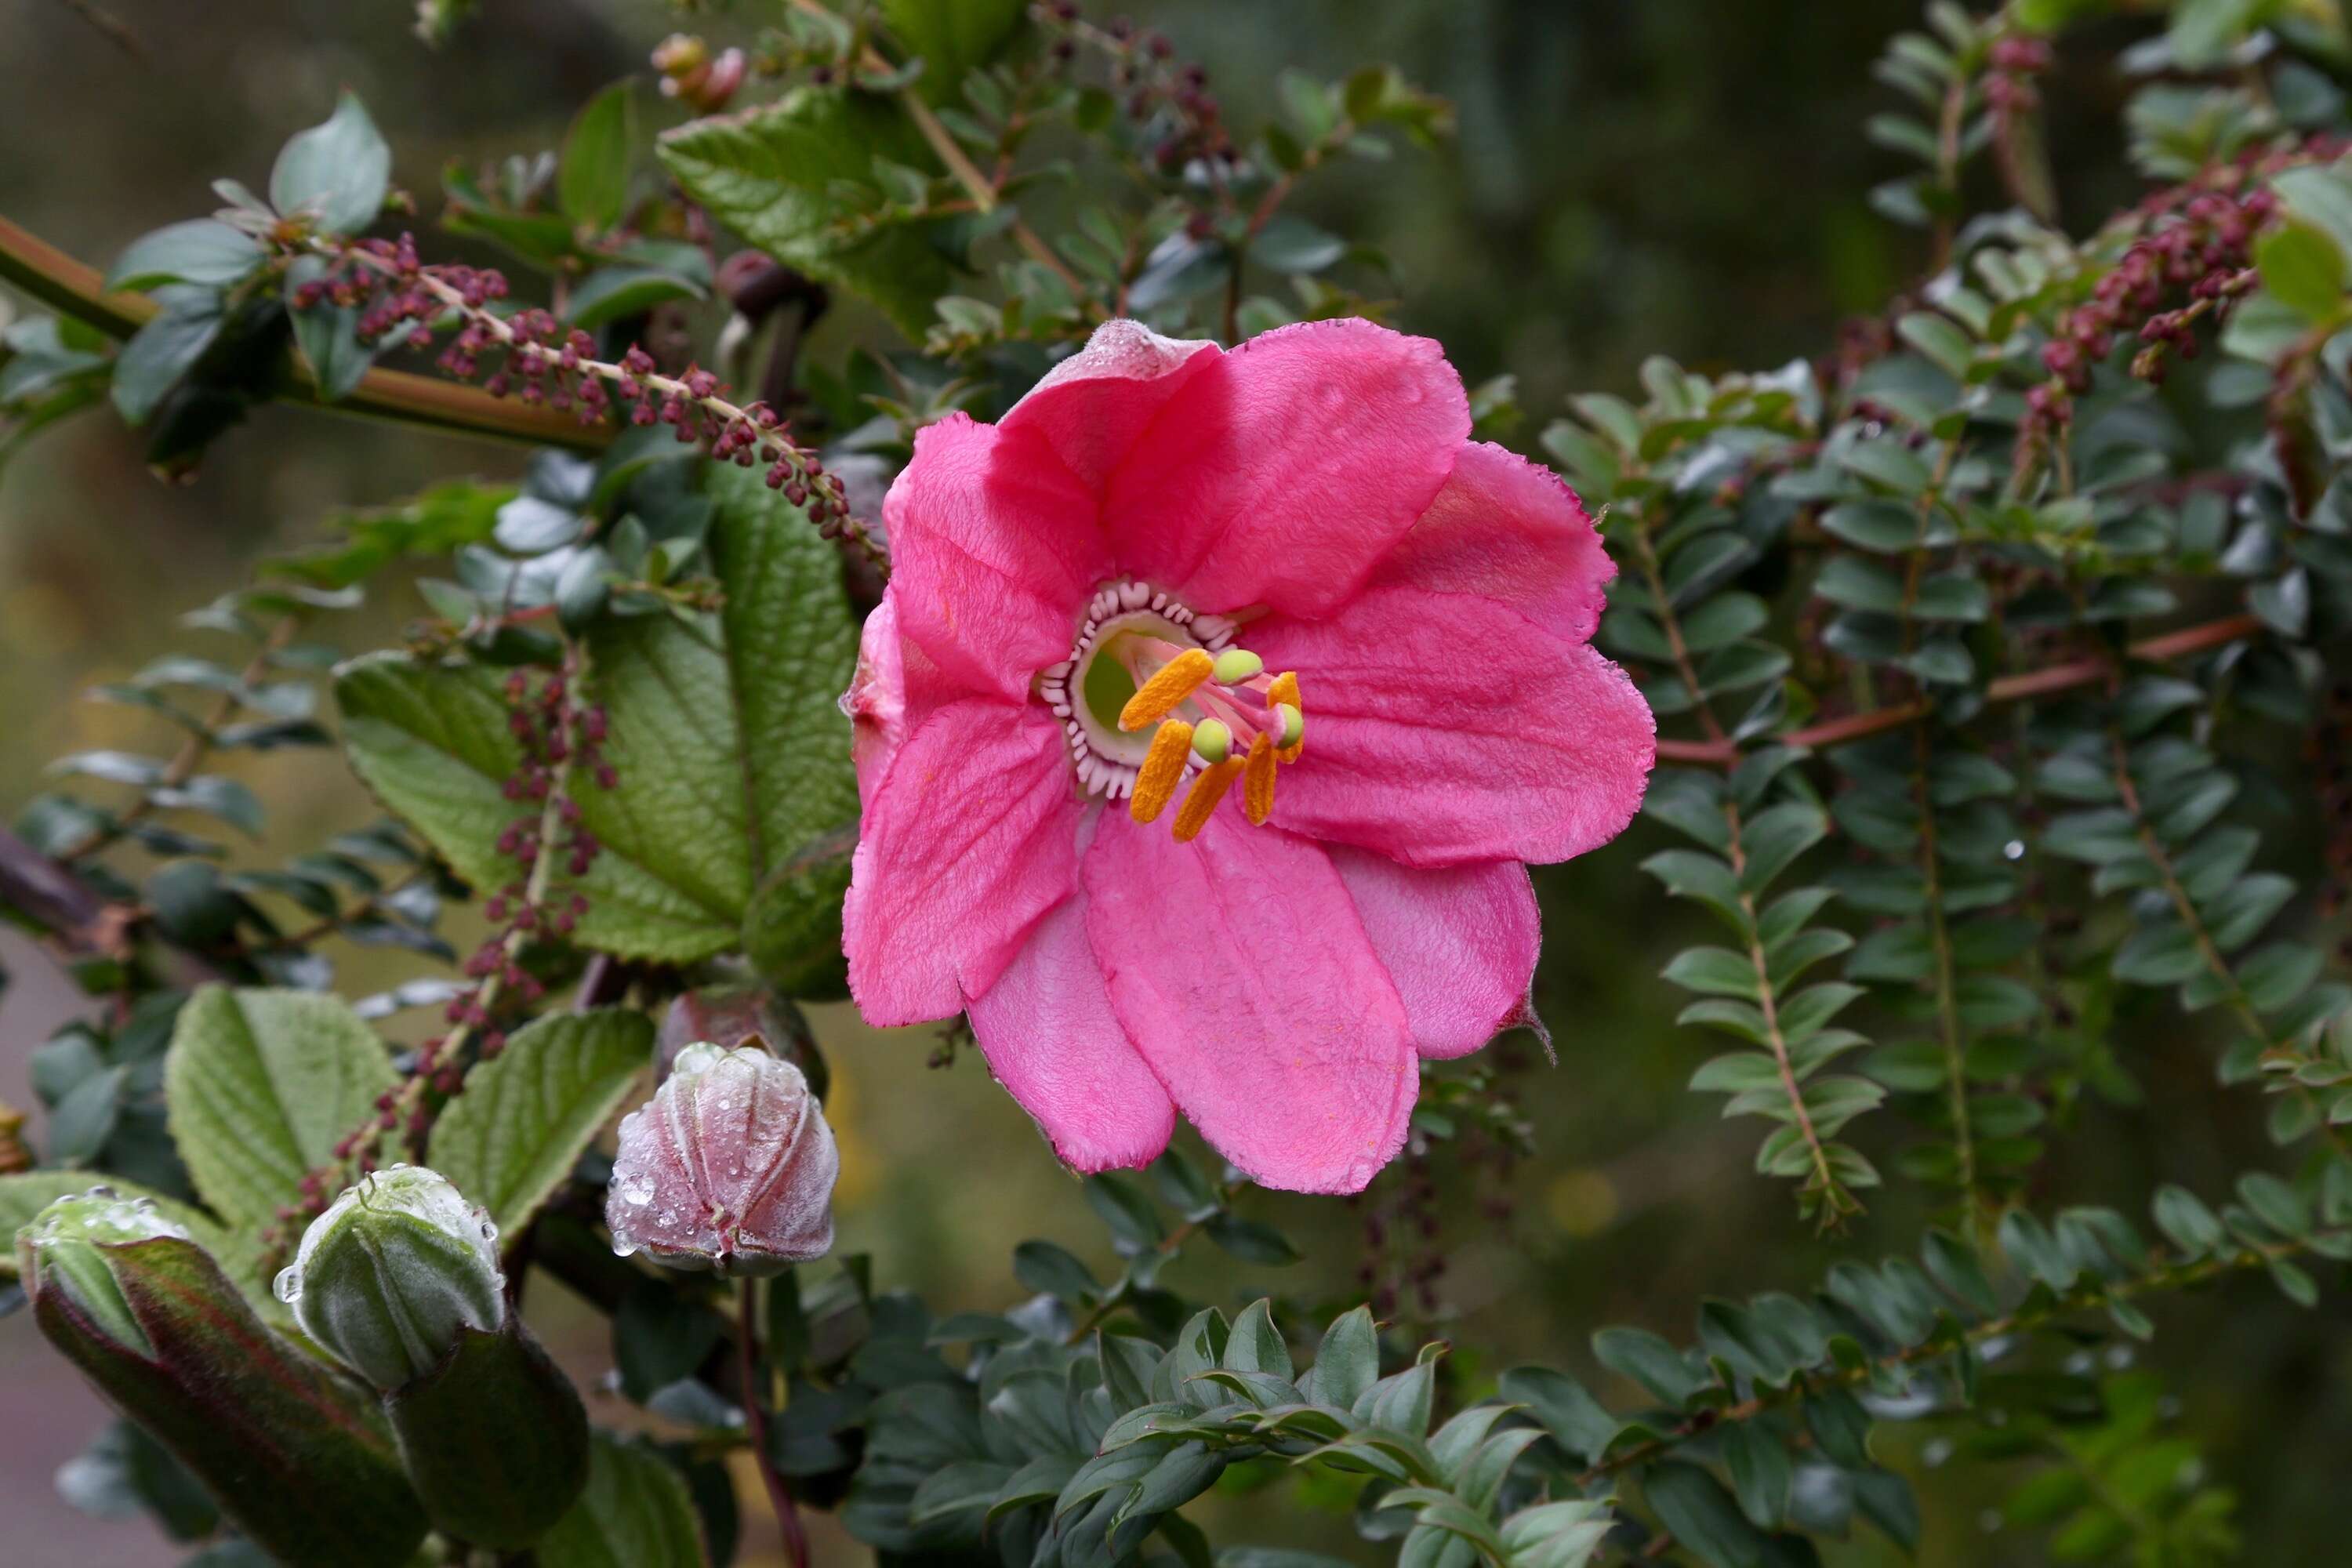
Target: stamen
[1166, 691]
[1212, 742]
[1163, 771]
[1236, 665]
[1202, 800]
[1284, 694]
[1257, 781]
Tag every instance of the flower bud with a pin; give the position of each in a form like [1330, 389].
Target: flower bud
[731, 1016]
[384, 1278]
[729, 1166]
[294, 1456]
[399, 1279]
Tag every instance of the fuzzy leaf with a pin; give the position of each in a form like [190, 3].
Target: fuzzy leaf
[259, 1087]
[516, 1130]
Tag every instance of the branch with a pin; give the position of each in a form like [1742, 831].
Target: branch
[982, 190]
[76, 288]
[2009, 689]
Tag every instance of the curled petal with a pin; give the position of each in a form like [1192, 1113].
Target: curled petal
[1507, 530]
[1237, 967]
[1460, 942]
[1092, 407]
[1280, 473]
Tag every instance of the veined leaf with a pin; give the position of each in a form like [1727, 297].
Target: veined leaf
[515, 1131]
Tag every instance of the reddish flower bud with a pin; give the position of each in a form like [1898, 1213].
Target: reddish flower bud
[729, 1167]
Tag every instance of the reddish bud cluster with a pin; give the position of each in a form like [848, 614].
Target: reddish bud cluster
[2192, 260]
[534, 357]
[1166, 97]
[2008, 86]
[558, 738]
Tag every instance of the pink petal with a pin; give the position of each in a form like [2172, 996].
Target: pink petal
[1443, 728]
[1506, 529]
[1460, 942]
[1091, 407]
[1239, 969]
[895, 688]
[966, 841]
[1051, 1038]
[994, 549]
[1280, 473]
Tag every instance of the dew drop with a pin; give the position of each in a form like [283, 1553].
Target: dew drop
[288, 1286]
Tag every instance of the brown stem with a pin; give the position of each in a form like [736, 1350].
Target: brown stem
[1836, 1202]
[76, 288]
[2009, 689]
[196, 748]
[755, 1413]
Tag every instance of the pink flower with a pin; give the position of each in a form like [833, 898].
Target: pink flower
[1279, 590]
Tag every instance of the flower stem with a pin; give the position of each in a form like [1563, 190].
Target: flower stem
[755, 1413]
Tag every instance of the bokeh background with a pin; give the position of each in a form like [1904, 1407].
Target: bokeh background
[1631, 176]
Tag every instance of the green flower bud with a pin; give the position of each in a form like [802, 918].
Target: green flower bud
[399, 1279]
[386, 1278]
[294, 1456]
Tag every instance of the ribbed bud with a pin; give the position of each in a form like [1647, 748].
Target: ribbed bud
[399, 1279]
[386, 1278]
[729, 1167]
[296, 1456]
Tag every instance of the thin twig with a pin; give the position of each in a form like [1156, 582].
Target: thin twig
[76, 288]
[2009, 689]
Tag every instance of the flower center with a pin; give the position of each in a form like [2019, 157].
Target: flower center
[1155, 698]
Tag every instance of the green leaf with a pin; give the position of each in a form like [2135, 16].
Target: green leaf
[328, 335]
[2303, 268]
[636, 1513]
[733, 760]
[610, 293]
[166, 349]
[260, 1086]
[793, 176]
[953, 36]
[201, 251]
[514, 1133]
[593, 180]
[1693, 1505]
[337, 171]
[1649, 1361]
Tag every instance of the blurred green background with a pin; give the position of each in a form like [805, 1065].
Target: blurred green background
[1631, 176]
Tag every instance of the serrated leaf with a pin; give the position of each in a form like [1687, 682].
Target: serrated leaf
[787, 175]
[517, 1126]
[733, 760]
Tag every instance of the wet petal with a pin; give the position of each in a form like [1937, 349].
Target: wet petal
[1507, 530]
